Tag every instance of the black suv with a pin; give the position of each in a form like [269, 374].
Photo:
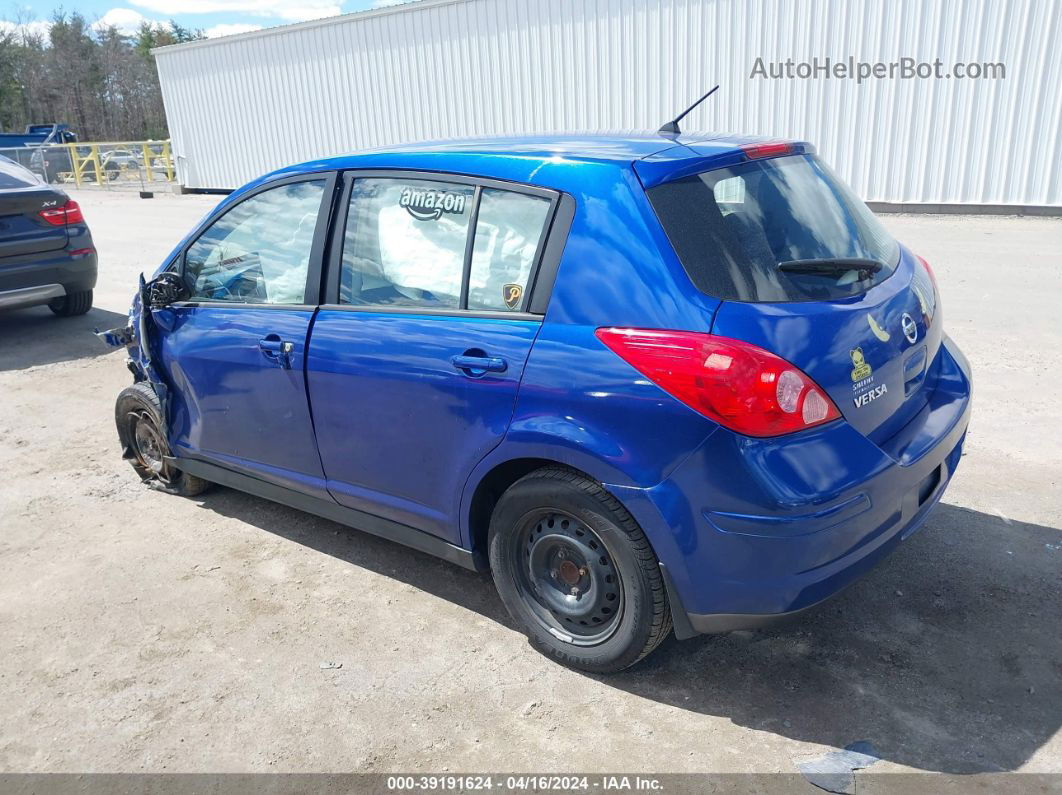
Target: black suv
[46, 250]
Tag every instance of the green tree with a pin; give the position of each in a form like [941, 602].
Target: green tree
[101, 82]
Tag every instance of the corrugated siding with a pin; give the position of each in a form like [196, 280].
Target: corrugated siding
[239, 107]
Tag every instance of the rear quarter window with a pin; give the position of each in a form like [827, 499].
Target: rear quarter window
[739, 232]
[509, 230]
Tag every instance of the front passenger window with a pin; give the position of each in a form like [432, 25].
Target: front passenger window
[259, 251]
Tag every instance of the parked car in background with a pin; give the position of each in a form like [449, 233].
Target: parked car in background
[25, 148]
[46, 250]
[53, 164]
[116, 161]
[649, 381]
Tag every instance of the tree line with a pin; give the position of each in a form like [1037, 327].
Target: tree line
[99, 81]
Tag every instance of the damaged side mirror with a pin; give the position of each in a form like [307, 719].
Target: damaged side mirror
[165, 289]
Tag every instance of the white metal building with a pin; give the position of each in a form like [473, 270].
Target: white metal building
[242, 105]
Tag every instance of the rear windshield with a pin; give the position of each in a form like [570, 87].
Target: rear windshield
[781, 229]
[13, 175]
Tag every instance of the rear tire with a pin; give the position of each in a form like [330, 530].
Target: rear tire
[72, 304]
[141, 430]
[576, 572]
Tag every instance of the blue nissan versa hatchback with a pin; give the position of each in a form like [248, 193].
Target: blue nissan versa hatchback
[648, 381]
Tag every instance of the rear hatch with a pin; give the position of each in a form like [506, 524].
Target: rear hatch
[23, 230]
[807, 272]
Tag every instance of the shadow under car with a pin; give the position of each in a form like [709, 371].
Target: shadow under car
[33, 336]
[946, 657]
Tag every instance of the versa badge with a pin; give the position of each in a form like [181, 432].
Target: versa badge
[863, 381]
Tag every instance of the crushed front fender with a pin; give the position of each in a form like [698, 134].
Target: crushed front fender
[139, 338]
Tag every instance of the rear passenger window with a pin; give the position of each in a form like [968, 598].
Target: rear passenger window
[508, 233]
[406, 244]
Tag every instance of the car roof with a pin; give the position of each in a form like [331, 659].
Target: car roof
[537, 159]
[598, 147]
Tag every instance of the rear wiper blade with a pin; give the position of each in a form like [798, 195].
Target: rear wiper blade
[836, 265]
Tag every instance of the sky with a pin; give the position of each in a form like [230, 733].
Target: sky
[214, 17]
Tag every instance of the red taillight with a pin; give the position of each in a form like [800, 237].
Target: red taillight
[773, 149]
[740, 386]
[929, 270]
[69, 213]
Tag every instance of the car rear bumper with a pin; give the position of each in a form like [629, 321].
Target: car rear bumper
[30, 296]
[751, 531]
[38, 278]
[823, 583]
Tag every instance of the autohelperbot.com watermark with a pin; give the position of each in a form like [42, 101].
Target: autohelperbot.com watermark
[849, 68]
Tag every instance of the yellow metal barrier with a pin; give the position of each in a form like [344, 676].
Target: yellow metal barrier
[105, 162]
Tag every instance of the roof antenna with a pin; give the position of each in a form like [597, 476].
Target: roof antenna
[672, 128]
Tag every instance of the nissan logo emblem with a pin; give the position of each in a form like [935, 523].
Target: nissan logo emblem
[910, 328]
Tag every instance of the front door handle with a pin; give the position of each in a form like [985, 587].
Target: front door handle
[478, 365]
[277, 350]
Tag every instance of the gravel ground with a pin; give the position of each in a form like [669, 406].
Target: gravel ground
[143, 632]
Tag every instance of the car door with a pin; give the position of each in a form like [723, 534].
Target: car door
[234, 351]
[415, 360]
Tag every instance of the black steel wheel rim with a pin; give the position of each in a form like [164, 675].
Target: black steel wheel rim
[567, 578]
[149, 445]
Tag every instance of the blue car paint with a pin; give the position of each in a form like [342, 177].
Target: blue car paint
[796, 519]
[362, 392]
[744, 527]
[231, 403]
[819, 338]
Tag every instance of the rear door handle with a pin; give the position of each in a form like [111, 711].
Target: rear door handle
[277, 350]
[478, 365]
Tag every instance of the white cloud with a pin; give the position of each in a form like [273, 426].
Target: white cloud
[290, 10]
[229, 30]
[34, 28]
[125, 19]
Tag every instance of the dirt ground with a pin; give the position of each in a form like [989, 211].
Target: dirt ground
[142, 632]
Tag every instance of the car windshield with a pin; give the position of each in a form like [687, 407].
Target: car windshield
[780, 229]
[12, 175]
